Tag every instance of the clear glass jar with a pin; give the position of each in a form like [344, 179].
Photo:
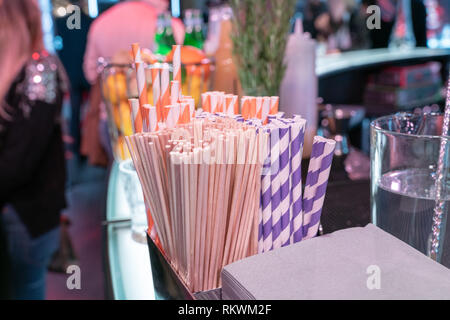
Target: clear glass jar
[404, 156]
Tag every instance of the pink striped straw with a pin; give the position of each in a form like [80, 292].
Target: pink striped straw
[172, 114]
[206, 102]
[274, 105]
[230, 104]
[258, 105]
[153, 118]
[265, 109]
[134, 107]
[214, 99]
[142, 86]
[191, 102]
[156, 86]
[165, 83]
[177, 66]
[174, 92]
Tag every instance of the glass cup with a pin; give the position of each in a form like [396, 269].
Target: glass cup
[404, 156]
[135, 199]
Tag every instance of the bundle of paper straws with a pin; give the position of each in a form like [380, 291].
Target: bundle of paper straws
[202, 182]
[220, 185]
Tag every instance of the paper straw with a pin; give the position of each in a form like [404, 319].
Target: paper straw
[296, 146]
[191, 103]
[252, 108]
[174, 91]
[274, 105]
[245, 107]
[135, 116]
[220, 102]
[230, 104]
[276, 192]
[284, 176]
[177, 67]
[316, 184]
[142, 85]
[185, 116]
[153, 118]
[165, 83]
[266, 201]
[258, 107]
[206, 102]
[156, 87]
[265, 110]
[214, 99]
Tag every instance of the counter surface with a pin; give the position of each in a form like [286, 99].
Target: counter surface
[339, 62]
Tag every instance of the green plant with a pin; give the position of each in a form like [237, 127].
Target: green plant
[260, 32]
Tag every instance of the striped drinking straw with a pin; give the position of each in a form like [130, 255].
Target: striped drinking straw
[214, 99]
[156, 86]
[135, 116]
[174, 91]
[274, 105]
[177, 66]
[191, 102]
[245, 107]
[296, 146]
[275, 180]
[316, 184]
[285, 183]
[153, 118]
[206, 102]
[258, 107]
[266, 201]
[142, 86]
[185, 116]
[172, 114]
[165, 83]
[230, 101]
[265, 110]
[252, 108]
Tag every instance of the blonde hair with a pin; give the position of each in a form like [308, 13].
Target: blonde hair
[20, 36]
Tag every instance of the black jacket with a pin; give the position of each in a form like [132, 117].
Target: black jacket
[32, 164]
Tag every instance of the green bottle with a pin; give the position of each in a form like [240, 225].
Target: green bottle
[169, 39]
[159, 34]
[198, 29]
[189, 36]
[164, 39]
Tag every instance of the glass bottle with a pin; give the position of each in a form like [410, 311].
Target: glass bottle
[198, 29]
[164, 38]
[189, 38]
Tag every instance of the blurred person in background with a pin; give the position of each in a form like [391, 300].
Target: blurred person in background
[71, 54]
[328, 22]
[111, 33]
[120, 26]
[380, 37]
[32, 165]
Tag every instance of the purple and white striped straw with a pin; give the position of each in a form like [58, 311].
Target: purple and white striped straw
[316, 184]
[297, 140]
[285, 183]
[266, 200]
[275, 185]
